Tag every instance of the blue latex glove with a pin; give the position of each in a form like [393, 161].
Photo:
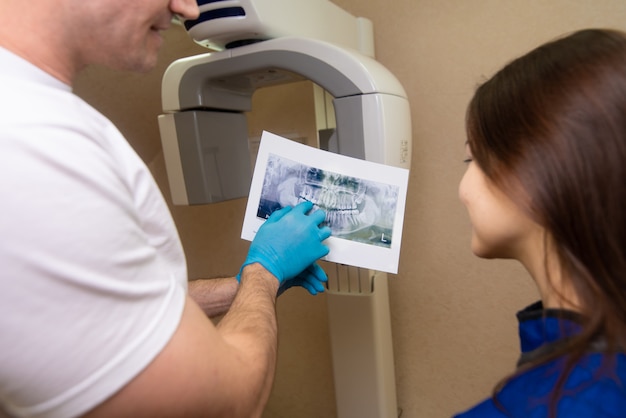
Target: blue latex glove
[289, 241]
[312, 279]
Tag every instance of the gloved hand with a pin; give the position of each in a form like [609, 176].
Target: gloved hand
[312, 279]
[289, 241]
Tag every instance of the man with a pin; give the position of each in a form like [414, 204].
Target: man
[96, 318]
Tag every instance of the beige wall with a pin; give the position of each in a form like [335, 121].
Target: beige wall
[452, 314]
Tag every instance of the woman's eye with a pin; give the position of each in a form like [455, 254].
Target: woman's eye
[467, 160]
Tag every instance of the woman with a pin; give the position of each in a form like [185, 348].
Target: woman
[546, 185]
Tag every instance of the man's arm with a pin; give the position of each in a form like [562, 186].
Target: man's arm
[207, 371]
[214, 296]
[227, 371]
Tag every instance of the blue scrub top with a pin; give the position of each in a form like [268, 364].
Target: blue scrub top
[596, 387]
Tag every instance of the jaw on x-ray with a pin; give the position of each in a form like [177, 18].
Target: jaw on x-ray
[356, 209]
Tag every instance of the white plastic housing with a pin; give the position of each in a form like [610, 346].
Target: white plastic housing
[373, 112]
[230, 21]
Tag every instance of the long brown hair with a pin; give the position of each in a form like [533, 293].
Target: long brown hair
[549, 129]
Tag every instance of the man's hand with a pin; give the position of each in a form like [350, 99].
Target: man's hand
[312, 279]
[289, 242]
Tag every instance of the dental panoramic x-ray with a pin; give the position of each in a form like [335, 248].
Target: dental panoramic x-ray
[356, 209]
[364, 201]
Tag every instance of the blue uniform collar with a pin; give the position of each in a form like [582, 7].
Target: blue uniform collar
[541, 330]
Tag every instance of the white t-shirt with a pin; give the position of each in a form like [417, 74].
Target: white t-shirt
[92, 273]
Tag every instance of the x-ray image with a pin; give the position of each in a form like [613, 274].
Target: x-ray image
[364, 201]
[356, 209]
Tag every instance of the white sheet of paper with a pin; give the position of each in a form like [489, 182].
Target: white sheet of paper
[364, 201]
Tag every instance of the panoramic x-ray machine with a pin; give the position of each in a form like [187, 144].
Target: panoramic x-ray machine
[262, 43]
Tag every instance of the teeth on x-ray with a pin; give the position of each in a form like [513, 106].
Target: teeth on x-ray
[356, 209]
[340, 196]
[329, 199]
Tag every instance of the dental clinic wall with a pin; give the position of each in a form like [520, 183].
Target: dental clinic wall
[452, 314]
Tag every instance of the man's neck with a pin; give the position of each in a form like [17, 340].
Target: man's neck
[28, 36]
